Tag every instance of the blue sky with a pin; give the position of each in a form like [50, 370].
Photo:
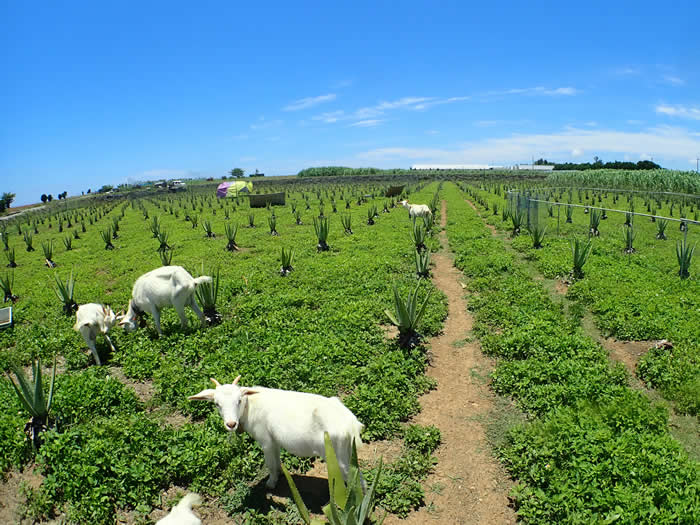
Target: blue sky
[99, 93]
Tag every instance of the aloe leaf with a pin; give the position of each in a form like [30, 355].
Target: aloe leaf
[335, 477]
[25, 402]
[297, 497]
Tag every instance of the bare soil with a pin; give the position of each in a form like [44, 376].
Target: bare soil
[467, 485]
[10, 498]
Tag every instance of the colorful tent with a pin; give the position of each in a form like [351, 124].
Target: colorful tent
[232, 189]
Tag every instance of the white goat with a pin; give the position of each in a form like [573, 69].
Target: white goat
[417, 210]
[181, 514]
[91, 319]
[164, 286]
[295, 421]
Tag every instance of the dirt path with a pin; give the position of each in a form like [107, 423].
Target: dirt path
[468, 485]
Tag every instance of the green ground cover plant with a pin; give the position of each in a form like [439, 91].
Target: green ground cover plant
[317, 330]
[632, 297]
[593, 450]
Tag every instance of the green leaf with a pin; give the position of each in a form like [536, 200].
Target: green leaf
[336, 484]
[303, 511]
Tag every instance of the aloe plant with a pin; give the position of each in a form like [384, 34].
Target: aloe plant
[423, 263]
[207, 294]
[155, 226]
[418, 236]
[107, 238]
[10, 255]
[5, 240]
[349, 503]
[163, 237]
[64, 292]
[7, 281]
[76, 235]
[28, 240]
[231, 231]
[569, 214]
[272, 223]
[47, 248]
[684, 254]
[346, 219]
[407, 314]
[370, 216]
[194, 220]
[31, 395]
[495, 208]
[287, 256]
[517, 218]
[537, 233]
[166, 256]
[428, 223]
[580, 252]
[661, 225]
[321, 227]
[208, 229]
[251, 220]
[297, 218]
[68, 242]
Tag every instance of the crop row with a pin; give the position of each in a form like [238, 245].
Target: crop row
[594, 450]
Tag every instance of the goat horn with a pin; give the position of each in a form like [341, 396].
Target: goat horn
[216, 383]
[235, 381]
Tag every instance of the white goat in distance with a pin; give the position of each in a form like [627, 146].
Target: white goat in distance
[417, 210]
[295, 421]
[181, 514]
[91, 319]
[164, 286]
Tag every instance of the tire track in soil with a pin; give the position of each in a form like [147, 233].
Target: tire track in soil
[468, 485]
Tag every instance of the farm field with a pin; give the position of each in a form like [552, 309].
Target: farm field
[125, 441]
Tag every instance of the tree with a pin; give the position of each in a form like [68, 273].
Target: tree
[7, 199]
[105, 188]
[237, 172]
[50, 197]
[44, 198]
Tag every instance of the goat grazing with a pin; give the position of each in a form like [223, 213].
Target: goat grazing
[295, 421]
[164, 286]
[91, 319]
[181, 514]
[417, 210]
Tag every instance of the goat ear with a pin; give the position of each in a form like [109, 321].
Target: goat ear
[248, 391]
[204, 395]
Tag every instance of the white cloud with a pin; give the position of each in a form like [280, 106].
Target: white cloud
[628, 71]
[679, 111]
[308, 102]
[674, 81]
[372, 113]
[539, 90]
[265, 124]
[432, 132]
[367, 123]
[663, 142]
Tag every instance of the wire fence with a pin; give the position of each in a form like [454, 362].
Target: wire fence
[536, 205]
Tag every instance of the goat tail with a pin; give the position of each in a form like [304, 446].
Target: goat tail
[202, 279]
[355, 434]
[189, 500]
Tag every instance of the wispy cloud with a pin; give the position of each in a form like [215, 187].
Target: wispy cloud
[309, 102]
[662, 142]
[679, 111]
[673, 80]
[263, 123]
[628, 70]
[367, 123]
[373, 113]
[539, 90]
